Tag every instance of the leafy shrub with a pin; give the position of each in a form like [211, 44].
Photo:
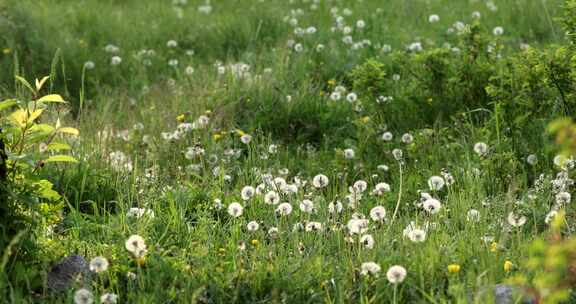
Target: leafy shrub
[28, 203]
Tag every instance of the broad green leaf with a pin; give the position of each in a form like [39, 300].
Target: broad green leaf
[39, 132]
[44, 128]
[45, 190]
[61, 158]
[26, 84]
[56, 146]
[69, 130]
[51, 98]
[7, 103]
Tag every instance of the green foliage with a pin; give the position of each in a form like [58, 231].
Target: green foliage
[551, 266]
[28, 144]
[369, 77]
[165, 149]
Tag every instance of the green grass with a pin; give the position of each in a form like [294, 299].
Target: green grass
[193, 246]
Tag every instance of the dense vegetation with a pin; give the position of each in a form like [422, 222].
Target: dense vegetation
[295, 151]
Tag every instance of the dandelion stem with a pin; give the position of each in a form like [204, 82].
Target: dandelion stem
[399, 195]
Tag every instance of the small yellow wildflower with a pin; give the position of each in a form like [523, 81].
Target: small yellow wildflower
[216, 136]
[141, 261]
[508, 266]
[181, 117]
[365, 119]
[7, 51]
[221, 251]
[240, 133]
[453, 268]
[493, 247]
[255, 243]
[332, 82]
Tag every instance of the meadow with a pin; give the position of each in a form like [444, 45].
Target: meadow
[298, 151]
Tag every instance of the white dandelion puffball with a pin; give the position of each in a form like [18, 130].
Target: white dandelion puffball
[247, 192]
[271, 198]
[89, 65]
[398, 154]
[370, 268]
[116, 60]
[481, 148]
[381, 188]
[516, 220]
[83, 296]
[252, 226]
[313, 226]
[351, 97]
[433, 18]
[407, 138]
[498, 31]
[432, 205]
[378, 214]
[387, 136]
[417, 235]
[396, 274]
[359, 186]
[320, 181]
[532, 159]
[99, 264]
[349, 153]
[357, 226]
[367, 241]
[136, 245]
[235, 209]
[335, 207]
[246, 139]
[172, 43]
[284, 209]
[109, 298]
[436, 183]
[307, 206]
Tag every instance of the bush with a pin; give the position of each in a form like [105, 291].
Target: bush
[28, 203]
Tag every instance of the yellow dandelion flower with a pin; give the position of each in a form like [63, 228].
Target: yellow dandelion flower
[255, 243]
[365, 119]
[508, 266]
[141, 261]
[332, 82]
[493, 247]
[181, 117]
[216, 136]
[453, 268]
